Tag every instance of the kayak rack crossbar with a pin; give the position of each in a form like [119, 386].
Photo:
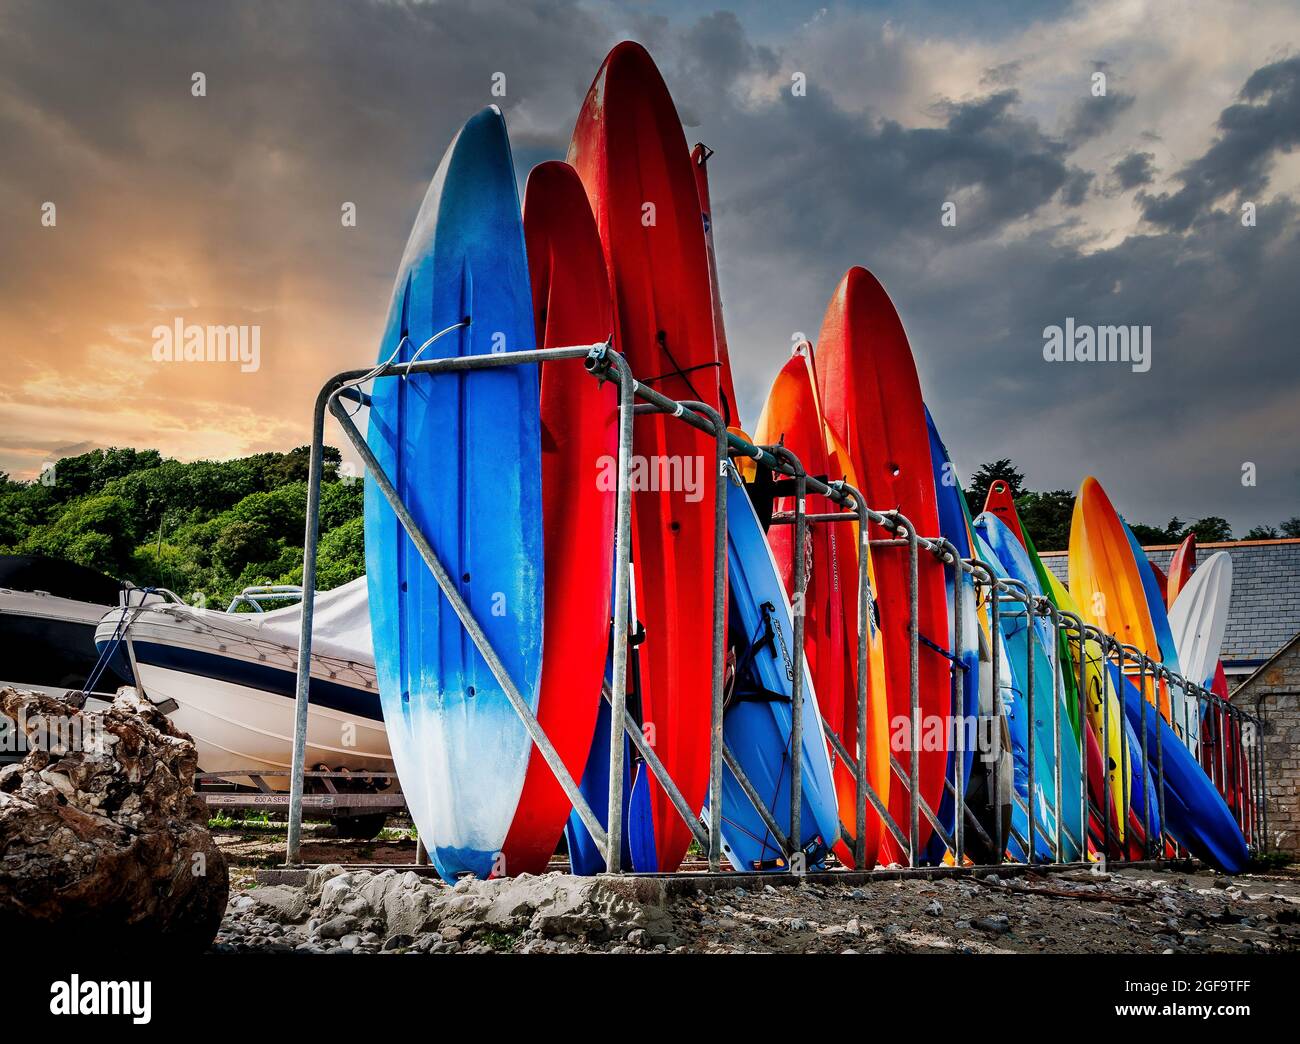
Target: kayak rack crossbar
[1232, 758]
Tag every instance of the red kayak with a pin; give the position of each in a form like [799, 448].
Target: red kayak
[630, 152]
[1162, 581]
[1002, 503]
[1180, 568]
[579, 428]
[871, 397]
[730, 408]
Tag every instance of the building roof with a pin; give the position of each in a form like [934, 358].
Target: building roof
[1259, 671]
[1264, 614]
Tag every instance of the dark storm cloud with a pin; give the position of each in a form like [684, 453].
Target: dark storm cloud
[803, 188]
[1252, 132]
[1137, 168]
[310, 104]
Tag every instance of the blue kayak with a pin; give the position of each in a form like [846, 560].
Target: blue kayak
[464, 452]
[1143, 777]
[953, 526]
[757, 722]
[585, 856]
[1011, 664]
[1196, 815]
[1050, 713]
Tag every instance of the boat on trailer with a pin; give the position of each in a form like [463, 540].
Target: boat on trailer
[229, 679]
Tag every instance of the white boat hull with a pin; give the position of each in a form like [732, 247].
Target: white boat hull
[229, 680]
[236, 727]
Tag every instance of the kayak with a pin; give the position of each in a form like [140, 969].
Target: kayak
[758, 722]
[1052, 730]
[792, 416]
[1012, 664]
[1099, 700]
[1168, 653]
[954, 527]
[629, 151]
[1196, 815]
[726, 383]
[1105, 581]
[1199, 618]
[1181, 566]
[872, 401]
[1001, 502]
[579, 435]
[459, 746]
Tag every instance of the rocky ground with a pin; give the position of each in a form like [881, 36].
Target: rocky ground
[1129, 911]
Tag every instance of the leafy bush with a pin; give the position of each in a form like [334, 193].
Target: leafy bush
[205, 528]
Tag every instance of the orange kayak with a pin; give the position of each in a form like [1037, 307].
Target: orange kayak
[792, 415]
[1105, 581]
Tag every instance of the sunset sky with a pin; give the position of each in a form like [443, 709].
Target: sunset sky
[1124, 209]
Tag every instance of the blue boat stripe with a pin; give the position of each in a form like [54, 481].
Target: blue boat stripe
[279, 681]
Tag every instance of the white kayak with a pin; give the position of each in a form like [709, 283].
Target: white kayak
[1198, 620]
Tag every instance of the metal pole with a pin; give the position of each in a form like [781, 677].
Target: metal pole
[914, 688]
[724, 475]
[1149, 847]
[995, 630]
[1160, 756]
[622, 565]
[1076, 623]
[302, 682]
[1107, 646]
[715, 744]
[1033, 726]
[1240, 773]
[797, 654]
[1057, 687]
[1223, 748]
[863, 664]
[959, 668]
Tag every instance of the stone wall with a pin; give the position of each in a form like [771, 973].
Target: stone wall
[1273, 693]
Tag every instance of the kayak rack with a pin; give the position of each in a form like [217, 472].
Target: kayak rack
[1229, 727]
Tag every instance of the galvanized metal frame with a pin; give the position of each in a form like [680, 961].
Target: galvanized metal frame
[604, 363]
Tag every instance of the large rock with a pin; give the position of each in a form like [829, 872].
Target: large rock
[589, 909]
[102, 840]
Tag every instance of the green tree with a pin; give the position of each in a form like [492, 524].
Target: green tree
[1047, 517]
[1211, 530]
[1151, 536]
[1262, 533]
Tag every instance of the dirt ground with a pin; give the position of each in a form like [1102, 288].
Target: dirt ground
[1077, 911]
